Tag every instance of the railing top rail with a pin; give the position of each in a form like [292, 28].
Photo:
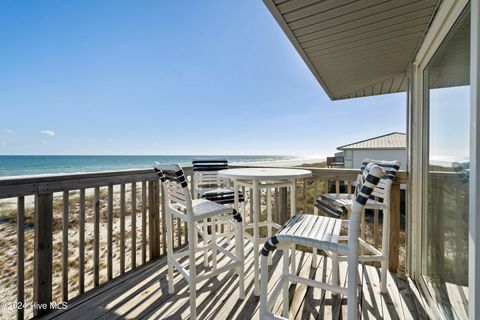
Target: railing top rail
[41, 184]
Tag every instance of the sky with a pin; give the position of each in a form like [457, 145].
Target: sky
[167, 77]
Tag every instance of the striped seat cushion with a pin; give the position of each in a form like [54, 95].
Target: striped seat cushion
[224, 195]
[334, 205]
[331, 207]
[209, 165]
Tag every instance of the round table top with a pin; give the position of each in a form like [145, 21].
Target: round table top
[264, 173]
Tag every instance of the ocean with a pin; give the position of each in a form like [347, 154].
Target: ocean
[32, 165]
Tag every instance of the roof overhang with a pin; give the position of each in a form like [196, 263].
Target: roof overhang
[355, 48]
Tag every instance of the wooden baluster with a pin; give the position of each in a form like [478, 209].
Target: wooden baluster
[133, 220]
[282, 205]
[81, 244]
[20, 256]
[42, 274]
[251, 205]
[109, 233]
[362, 230]
[96, 238]
[144, 222]
[179, 231]
[65, 246]
[304, 195]
[375, 226]
[122, 228]
[276, 216]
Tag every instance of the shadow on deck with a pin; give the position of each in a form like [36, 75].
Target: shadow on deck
[142, 293]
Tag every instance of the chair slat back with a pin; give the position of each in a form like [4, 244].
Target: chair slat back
[390, 168]
[175, 186]
[205, 172]
[367, 182]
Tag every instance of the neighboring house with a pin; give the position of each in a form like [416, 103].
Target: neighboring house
[392, 146]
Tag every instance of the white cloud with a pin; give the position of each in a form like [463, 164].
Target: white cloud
[109, 140]
[49, 133]
[8, 131]
[43, 142]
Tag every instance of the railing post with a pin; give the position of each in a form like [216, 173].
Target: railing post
[394, 227]
[153, 214]
[42, 283]
[282, 205]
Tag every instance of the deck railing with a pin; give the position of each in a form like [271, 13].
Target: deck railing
[81, 220]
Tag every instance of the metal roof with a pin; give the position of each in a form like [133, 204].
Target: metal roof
[355, 48]
[394, 140]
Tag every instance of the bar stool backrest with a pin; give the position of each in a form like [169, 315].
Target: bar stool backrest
[368, 180]
[205, 172]
[175, 187]
[382, 189]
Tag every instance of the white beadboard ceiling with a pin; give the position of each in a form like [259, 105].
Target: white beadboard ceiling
[355, 48]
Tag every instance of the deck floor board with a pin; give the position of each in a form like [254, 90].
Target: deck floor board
[143, 294]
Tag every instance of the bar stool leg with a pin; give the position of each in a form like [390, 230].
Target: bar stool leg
[170, 256]
[293, 208]
[239, 248]
[385, 250]
[193, 272]
[213, 242]
[314, 258]
[205, 242]
[286, 295]
[269, 219]
[263, 287]
[335, 271]
[256, 235]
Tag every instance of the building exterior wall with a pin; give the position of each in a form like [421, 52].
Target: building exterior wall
[354, 158]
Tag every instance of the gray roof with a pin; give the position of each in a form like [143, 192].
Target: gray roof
[355, 48]
[394, 140]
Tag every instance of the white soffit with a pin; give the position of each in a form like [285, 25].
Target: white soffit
[355, 48]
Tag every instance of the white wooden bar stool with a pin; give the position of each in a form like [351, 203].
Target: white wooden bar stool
[180, 204]
[207, 184]
[335, 204]
[320, 233]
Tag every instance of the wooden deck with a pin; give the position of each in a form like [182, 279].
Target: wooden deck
[142, 294]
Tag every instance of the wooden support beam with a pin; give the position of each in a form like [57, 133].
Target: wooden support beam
[153, 214]
[42, 274]
[122, 228]
[110, 233]
[394, 227]
[66, 199]
[133, 256]
[96, 238]
[81, 244]
[20, 255]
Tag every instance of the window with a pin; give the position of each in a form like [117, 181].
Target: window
[445, 219]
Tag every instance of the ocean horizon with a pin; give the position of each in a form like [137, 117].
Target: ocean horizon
[26, 165]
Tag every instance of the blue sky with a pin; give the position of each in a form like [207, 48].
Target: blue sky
[167, 77]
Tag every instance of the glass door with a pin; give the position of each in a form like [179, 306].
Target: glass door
[445, 219]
